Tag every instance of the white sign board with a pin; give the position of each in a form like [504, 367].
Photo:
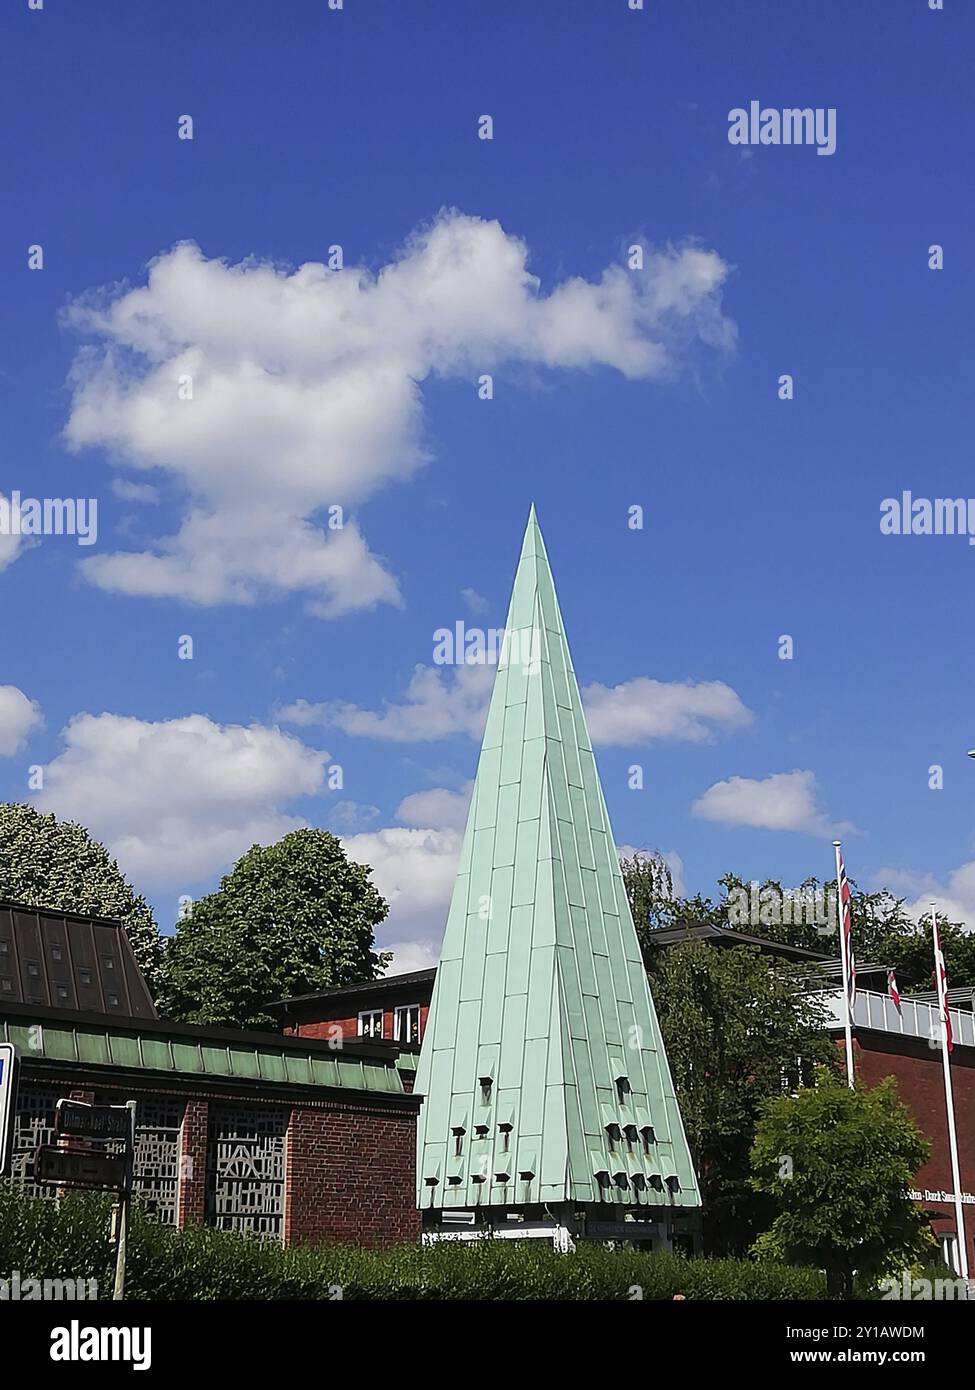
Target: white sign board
[8, 1102]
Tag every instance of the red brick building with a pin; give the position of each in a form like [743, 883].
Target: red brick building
[290, 1137]
[888, 1042]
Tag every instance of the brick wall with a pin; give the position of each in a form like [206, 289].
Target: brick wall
[350, 1161]
[351, 1176]
[322, 1023]
[918, 1071]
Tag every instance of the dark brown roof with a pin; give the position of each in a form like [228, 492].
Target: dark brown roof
[384, 985]
[727, 936]
[64, 960]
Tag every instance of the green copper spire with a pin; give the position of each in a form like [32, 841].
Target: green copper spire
[543, 1071]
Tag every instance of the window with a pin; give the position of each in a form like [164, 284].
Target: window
[33, 969]
[108, 962]
[6, 984]
[371, 1023]
[4, 948]
[406, 1023]
[111, 1000]
[84, 975]
[55, 952]
[62, 991]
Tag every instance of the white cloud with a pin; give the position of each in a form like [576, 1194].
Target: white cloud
[19, 717]
[178, 800]
[413, 955]
[10, 543]
[670, 857]
[438, 807]
[476, 602]
[440, 701]
[307, 389]
[784, 801]
[414, 870]
[954, 896]
[128, 491]
[642, 709]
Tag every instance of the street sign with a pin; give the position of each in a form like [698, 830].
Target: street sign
[82, 1121]
[8, 1102]
[80, 1168]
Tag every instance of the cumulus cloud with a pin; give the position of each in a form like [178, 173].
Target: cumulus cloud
[413, 955]
[178, 800]
[643, 709]
[443, 701]
[10, 544]
[414, 869]
[128, 491]
[19, 717]
[784, 801]
[440, 701]
[438, 807]
[954, 896]
[307, 390]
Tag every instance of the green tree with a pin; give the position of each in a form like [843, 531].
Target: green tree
[45, 862]
[290, 918]
[838, 1165]
[738, 1026]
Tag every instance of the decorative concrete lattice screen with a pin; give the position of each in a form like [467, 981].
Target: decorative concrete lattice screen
[245, 1169]
[34, 1125]
[158, 1131]
[158, 1125]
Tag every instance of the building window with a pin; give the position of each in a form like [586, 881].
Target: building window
[406, 1023]
[6, 984]
[371, 1023]
[62, 991]
[4, 948]
[108, 962]
[84, 975]
[55, 952]
[33, 969]
[111, 1000]
[246, 1170]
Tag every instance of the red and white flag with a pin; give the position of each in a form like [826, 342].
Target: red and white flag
[892, 989]
[844, 907]
[941, 978]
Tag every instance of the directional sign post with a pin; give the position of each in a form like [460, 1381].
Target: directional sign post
[94, 1166]
[8, 1102]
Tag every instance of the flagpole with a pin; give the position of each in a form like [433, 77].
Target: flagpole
[847, 1006]
[941, 982]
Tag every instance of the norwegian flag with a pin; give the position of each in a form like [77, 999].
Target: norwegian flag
[941, 975]
[844, 892]
[892, 989]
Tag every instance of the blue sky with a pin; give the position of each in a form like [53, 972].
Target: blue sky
[314, 128]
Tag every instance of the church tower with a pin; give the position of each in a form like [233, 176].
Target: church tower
[548, 1102]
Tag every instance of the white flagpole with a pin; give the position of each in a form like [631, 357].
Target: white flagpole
[847, 1007]
[949, 1101]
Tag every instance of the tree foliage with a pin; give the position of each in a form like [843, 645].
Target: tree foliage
[838, 1165]
[737, 1026]
[290, 918]
[56, 864]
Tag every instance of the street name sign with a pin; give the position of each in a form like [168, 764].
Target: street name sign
[80, 1168]
[8, 1102]
[83, 1121]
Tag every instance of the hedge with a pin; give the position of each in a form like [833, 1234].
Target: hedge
[69, 1240]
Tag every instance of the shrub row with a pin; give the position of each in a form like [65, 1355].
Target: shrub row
[69, 1240]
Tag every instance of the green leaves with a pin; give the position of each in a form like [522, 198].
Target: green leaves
[291, 918]
[838, 1165]
[45, 862]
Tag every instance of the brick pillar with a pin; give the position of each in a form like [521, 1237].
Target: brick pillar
[193, 1163]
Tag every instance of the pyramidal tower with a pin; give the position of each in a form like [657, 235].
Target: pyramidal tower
[548, 1102]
